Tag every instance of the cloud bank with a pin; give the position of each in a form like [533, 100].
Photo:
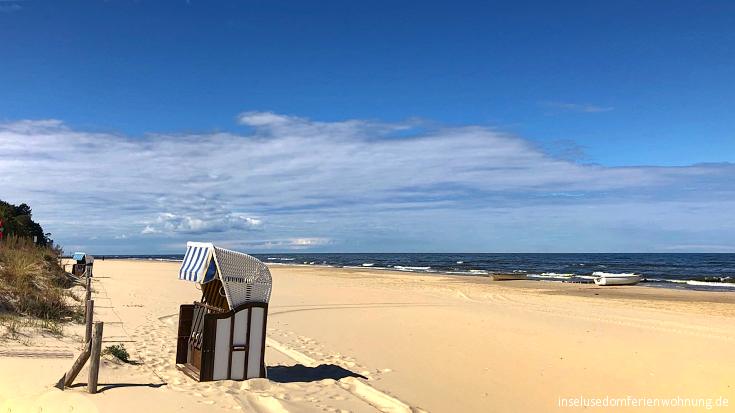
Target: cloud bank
[357, 185]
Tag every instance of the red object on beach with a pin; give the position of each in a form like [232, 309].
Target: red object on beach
[2, 229]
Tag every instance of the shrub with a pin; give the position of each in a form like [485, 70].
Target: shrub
[118, 351]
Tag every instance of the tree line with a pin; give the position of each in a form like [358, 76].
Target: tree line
[18, 220]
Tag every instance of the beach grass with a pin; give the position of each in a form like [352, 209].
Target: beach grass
[33, 283]
[15, 327]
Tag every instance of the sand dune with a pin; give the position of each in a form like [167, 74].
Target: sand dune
[377, 341]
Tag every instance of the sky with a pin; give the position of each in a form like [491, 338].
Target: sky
[131, 127]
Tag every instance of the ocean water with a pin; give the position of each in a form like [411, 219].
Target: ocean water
[690, 271]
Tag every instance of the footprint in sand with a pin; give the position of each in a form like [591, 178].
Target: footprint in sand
[337, 397]
[156, 349]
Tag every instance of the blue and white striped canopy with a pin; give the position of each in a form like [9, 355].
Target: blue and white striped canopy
[78, 256]
[198, 264]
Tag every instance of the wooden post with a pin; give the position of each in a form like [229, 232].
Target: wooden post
[94, 363]
[88, 319]
[92, 344]
[69, 377]
[88, 296]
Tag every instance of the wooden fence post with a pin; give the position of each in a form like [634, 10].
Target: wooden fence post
[88, 319]
[94, 363]
[87, 294]
[92, 344]
[69, 377]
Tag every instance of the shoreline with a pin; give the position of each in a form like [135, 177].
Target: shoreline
[638, 294]
[657, 283]
[722, 300]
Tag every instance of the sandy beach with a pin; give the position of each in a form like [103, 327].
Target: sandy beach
[367, 207]
[368, 340]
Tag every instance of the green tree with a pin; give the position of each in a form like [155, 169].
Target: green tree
[18, 220]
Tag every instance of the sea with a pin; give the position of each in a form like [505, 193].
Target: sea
[711, 272]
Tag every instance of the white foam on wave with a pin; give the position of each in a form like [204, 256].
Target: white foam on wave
[710, 284]
[665, 280]
[406, 268]
[367, 264]
[468, 272]
[279, 259]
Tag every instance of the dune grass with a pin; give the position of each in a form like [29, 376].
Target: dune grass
[33, 283]
[20, 328]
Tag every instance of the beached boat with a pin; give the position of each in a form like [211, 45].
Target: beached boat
[603, 278]
[507, 277]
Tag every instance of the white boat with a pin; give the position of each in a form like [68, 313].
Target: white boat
[604, 278]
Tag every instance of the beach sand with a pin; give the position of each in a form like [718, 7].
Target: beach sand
[369, 340]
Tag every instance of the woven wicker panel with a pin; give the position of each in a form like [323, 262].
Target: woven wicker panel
[245, 279]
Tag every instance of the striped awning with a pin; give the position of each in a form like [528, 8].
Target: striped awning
[198, 265]
[78, 256]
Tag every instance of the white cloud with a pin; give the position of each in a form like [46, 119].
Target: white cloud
[577, 107]
[295, 179]
[277, 244]
[308, 242]
[149, 230]
[171, 223]
[264, 118]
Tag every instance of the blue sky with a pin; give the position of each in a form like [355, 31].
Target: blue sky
[459, 126]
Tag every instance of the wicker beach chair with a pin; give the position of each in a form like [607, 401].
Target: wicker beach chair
[222, 336]
[82, 261]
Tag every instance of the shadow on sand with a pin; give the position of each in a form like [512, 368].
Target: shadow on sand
[301, 373]
[278, 374]
[104, 387]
